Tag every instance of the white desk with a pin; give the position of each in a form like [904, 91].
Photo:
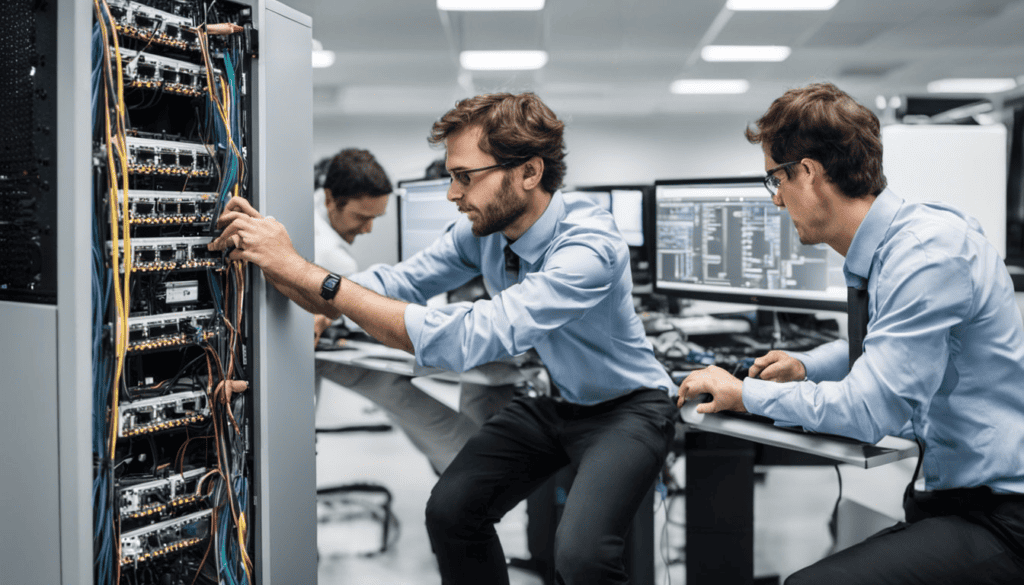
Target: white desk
[720, 461]
[839, 449]
[374, 356]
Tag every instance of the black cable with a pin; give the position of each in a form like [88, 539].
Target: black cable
[833, 523]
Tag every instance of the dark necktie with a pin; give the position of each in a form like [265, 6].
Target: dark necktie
[511, 265]
[857, 324]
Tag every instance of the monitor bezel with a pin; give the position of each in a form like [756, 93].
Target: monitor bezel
[646, 201]
[401, 204]
[767, 301]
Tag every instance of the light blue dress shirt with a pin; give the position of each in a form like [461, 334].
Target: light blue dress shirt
[572, 302]
[943, 357]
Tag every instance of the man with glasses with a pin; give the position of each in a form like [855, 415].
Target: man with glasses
[356, 190]
[559, 276]
[941, 363]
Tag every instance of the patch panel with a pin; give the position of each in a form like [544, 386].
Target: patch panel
[149, 71]
[149, 24]
[171, 330]
[162, 538]
[170, 208]
[167, 254]
[148, 156]
[160, 496]
[162, 413]
[171, 455]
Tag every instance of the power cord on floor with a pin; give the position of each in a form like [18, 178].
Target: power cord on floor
[833, 523]
[670, 491]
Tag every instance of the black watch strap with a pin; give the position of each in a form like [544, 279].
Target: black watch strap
[329, 287]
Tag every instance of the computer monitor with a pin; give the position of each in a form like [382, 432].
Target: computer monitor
[601, 197]
[424, 213]
[724, 240]
[626, 203]
[628, 211]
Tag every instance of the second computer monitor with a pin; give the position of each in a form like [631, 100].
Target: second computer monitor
[724, 240]
[626, 204]
[424, 213]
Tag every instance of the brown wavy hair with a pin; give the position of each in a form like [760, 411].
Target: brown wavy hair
[824, 123]
[516, 127]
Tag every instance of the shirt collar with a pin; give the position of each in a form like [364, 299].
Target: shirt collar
[869, 236]
[532, 244]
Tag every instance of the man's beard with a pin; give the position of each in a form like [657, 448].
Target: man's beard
[500, 213]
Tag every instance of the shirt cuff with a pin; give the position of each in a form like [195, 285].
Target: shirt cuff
[762, 397]
[826, 363]
[415, 316]
[757, 394]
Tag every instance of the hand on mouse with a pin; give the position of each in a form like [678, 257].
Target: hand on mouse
[778, 366]
[726, 390]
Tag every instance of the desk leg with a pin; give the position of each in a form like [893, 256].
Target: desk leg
[719, 510]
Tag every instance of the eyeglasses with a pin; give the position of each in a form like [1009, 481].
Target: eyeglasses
[771, 182]
[463, 176]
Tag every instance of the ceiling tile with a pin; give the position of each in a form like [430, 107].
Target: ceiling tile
[846, 34]
[930, 31]
[768, 28]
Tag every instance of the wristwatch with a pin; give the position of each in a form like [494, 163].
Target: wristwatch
[329, 287]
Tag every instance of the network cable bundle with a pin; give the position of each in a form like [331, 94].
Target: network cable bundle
[172, 326]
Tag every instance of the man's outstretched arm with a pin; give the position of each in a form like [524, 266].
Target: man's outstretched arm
[264, 241]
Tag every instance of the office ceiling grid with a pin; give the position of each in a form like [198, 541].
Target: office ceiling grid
[618, 57]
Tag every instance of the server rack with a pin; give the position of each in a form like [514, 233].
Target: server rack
[60, 323]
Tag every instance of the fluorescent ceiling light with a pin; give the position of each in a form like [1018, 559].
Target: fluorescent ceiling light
[744, 53]
[967, 85]
[321, 58]
[502, 60]
[781, 4]
[710, 86]
[489, 5]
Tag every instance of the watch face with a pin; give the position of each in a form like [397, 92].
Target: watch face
[329, 288]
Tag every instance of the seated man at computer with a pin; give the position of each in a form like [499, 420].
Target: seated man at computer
[355, 192]
[943, 356]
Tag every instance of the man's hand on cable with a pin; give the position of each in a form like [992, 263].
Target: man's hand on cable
[725, 389]
[778, 366]
[257, 239]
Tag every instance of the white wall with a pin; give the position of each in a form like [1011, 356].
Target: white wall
[600, 150]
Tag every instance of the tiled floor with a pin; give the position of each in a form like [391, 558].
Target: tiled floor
[792, 508]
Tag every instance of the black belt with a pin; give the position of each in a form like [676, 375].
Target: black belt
[965, 499]
[564, 407]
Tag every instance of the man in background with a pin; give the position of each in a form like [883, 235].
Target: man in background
[352, 191]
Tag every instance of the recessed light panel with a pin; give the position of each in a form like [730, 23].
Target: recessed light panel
[502, 60]
[710, 86]
[766, 5]
[489, 5]
[718, 53]
[972, 85]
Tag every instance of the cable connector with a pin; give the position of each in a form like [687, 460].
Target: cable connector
[252, 41]
[662, 489]
[223, 393]
[223, 28]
